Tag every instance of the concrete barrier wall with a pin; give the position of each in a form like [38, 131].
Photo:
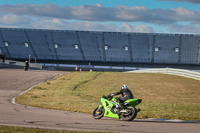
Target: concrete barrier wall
[17, 64]
[4, 65]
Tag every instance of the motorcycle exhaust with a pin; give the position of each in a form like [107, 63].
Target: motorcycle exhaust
[123, 111]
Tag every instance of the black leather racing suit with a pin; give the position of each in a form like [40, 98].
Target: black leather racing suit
[126, 94]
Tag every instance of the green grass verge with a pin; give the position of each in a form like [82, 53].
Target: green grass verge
[11, 129]
[164, 96]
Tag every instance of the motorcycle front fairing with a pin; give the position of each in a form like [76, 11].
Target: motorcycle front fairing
[108, 106]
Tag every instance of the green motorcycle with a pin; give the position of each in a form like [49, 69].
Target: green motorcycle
[108, 109]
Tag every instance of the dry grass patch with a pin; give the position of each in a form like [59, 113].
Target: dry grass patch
[164, 96]
[10, 129]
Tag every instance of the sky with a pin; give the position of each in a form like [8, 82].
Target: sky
[143, 16]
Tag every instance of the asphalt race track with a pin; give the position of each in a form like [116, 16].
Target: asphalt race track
[15, 81]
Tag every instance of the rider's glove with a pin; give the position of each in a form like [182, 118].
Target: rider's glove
[109, 95]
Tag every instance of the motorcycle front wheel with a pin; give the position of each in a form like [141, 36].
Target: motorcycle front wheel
[98, 113]
[132, 113]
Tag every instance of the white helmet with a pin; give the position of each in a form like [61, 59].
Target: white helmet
[124, 87]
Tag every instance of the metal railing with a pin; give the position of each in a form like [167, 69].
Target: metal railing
[172, 71]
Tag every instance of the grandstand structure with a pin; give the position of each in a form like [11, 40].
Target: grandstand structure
[100, 47]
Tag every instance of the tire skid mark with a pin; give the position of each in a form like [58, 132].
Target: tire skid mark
[78, 85]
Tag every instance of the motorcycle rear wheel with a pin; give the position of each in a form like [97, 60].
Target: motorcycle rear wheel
[98, 113]
[131, 116]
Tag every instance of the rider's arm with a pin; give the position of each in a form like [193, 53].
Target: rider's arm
[116, 93]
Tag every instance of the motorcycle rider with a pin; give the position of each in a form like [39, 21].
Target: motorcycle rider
[126, 94]
[26, 65]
